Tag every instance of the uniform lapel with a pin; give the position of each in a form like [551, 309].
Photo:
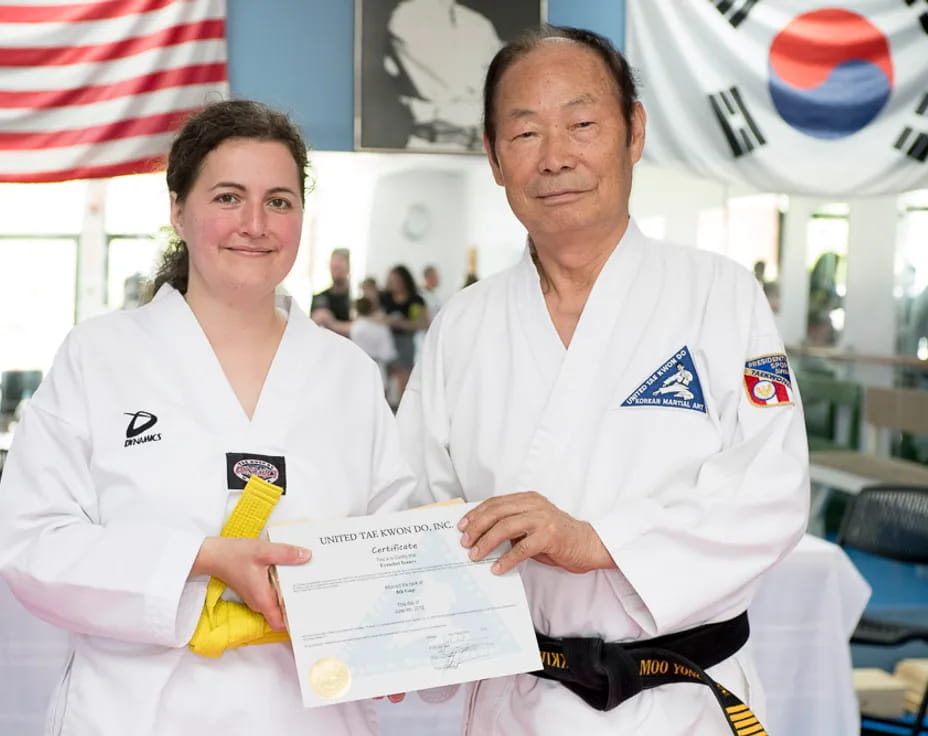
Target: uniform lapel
[527, 301]
[291, 369]
[204, 389]
[593, 368]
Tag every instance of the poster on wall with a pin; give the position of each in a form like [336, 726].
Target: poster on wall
[420, 66]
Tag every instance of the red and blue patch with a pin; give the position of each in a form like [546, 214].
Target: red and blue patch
[766, 380]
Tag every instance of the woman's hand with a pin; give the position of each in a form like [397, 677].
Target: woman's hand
[244, 564]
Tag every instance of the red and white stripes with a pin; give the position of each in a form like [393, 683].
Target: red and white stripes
[96, 89]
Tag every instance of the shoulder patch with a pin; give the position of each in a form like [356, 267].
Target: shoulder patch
[674, 384]
[767, 382]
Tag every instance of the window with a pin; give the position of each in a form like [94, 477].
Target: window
[38, 285]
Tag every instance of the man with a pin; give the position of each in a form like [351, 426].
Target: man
[633, 514]
[332, 308]
[429, 291]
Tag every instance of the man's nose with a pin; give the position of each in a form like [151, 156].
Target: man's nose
[557, 152]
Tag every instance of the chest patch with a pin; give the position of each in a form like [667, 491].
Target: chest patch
[766, 380]
[674, 384]
[240, 466]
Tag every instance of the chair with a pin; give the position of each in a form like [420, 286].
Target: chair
[16, 386]
[890, 522]
[832, 411]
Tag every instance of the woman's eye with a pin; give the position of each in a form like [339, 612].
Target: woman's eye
[279, 203]
[226, 198]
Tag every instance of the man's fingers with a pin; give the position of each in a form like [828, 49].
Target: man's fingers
[511, 527]
[521, 551]
[479, 519]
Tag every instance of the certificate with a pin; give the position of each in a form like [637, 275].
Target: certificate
[392, 603]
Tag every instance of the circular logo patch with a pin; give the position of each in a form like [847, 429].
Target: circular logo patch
[248, 467]
[764, 390]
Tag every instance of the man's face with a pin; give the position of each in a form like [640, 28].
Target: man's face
[561, 142]
[338, 267]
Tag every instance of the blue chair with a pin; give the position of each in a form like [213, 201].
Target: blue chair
[890, 522]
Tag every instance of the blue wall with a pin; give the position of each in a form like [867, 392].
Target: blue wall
[297, 55]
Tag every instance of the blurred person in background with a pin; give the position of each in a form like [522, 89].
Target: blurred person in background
[371, 291]
[430, 283]
[332, 308]
[373, 336]
[405, 312]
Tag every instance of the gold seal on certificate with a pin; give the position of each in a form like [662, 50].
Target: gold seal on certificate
[329, 678]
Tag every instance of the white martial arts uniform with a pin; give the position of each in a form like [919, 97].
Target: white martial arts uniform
[693, 505]
[100, 523]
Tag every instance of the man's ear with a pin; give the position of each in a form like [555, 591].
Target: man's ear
[494, 162]
[636, 141]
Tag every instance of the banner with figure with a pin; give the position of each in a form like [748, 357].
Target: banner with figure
[420, 66]
[785, 95]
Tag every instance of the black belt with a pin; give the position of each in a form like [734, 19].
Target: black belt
[606, 674]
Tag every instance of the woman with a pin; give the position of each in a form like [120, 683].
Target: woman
[406, 314]
[136, 446]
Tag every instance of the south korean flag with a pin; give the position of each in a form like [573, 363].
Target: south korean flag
[786, 95]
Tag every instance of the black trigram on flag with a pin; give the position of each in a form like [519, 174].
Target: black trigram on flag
[738, 126]
[923, 18]
[734, 11]
[911, 142]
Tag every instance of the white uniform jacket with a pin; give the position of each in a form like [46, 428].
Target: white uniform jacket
[644, 427]
[119, 470]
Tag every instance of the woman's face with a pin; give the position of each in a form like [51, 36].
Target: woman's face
[395, 283]
[241, 219]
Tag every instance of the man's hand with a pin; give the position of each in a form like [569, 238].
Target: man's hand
[395, 698]
[537, 529]
[322, 317]
[243, 565]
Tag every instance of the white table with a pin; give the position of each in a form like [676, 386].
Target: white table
[850, 471]
[801, 619]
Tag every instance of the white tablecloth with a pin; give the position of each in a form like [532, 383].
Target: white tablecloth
[801, 620]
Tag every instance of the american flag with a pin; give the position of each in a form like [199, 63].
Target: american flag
[96, 89]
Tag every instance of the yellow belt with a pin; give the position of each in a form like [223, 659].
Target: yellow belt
[226, 624]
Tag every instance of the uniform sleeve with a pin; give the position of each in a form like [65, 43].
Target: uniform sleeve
[126, 579]
[699, 556]
[424, 431]
[392, 482]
